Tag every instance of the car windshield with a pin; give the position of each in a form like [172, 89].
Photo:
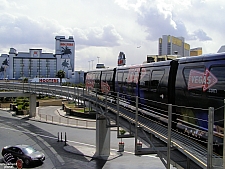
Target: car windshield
[29, 150]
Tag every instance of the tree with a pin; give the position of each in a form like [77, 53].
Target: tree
[66, 51]
[61, 74]
[4, 65]
[65, 64]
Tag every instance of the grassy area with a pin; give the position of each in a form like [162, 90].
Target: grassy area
[72, 106]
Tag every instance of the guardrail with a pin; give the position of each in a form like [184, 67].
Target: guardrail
[76, 122]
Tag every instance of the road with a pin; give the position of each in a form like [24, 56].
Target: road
[43, 137]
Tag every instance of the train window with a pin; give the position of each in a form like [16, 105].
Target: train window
[194, 79]
[97, 76]
[157, 75]
[103, 77]
[108, 77]
[125, 85]
[125, 75]
[119, 79]
[145, 80]
[217, 89]
[133, 75]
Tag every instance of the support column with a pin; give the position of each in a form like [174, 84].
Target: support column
[32, 105]
[102, 138]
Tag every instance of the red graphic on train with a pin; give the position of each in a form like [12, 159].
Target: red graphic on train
[105, 88]
[89, 84]
[203, 80]
[133, 74]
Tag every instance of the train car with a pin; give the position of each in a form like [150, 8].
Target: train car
[101, 81]
[200, 83]
[107, 79]
[92, 80]
[126, 84]
[156, 89]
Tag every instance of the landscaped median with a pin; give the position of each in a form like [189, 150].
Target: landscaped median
[73, 109]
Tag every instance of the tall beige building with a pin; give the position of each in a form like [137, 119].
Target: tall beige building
[196, 51]
[170, 45]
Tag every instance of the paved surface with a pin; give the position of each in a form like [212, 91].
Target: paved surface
[119, 160]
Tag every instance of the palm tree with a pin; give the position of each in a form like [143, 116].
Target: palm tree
[65, 64]
[66, 51]
[5, 64]
[61, 74]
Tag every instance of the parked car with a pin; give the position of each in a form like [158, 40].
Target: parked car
[24, 152]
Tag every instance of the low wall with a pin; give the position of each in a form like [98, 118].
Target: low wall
[86, 115]
[51, 102]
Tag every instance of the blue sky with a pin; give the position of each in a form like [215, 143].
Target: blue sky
[103, 28]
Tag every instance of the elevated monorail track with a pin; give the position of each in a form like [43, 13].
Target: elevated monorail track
[185, 152]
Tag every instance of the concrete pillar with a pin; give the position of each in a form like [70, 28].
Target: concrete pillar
[102, 138]
[32, 105]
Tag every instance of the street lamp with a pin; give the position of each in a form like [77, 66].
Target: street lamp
[98, 58]
[89, 65]
[92, 64]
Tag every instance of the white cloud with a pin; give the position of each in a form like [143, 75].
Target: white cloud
[104, 28]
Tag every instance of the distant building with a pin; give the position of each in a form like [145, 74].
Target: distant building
[157, 58]
[100, 65]
[121, 59]
[222, 49]
[196, 51]
[170, 45]
[65, 49]
[36, 64]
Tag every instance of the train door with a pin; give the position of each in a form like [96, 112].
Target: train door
[133, 83]
[104, 85]
[144, 88]
[119, 81]
[216, 95]
[107, 82]
[194, 97]
[97, 76]
[89, 81]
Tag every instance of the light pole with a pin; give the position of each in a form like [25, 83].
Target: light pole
[89, 65]
[92, 64]
[98, 58]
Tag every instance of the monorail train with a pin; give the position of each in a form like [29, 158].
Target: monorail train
[193, 84]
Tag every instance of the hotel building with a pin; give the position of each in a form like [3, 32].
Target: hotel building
[35, 63]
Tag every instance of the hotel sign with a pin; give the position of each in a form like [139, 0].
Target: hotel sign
[46, 80]
[66, 44]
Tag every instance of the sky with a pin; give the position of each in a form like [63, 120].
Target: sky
[103, 28]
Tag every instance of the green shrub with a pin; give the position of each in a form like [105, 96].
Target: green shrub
[20, 107]
[22, 103]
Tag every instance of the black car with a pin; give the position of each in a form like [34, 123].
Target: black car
[24, 152]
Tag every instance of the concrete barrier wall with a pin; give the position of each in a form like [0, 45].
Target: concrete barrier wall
[79, 114]
[50, 102]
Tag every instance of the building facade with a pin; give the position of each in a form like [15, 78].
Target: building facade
[35, 63]
[196, 51]
[157, 58]
[170, 45]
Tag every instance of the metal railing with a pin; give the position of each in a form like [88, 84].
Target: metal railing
[76, 122]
